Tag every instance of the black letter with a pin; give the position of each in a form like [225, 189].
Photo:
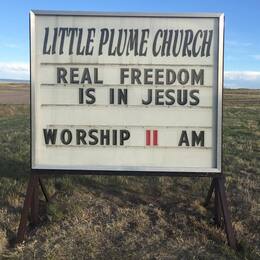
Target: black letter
[149, 100]
[61, 74]
[111, 40]
[184, 139]
[111, 96]
[147, 76]
[92, 98]
[193, 96]
[158, 76]
[197, 139]
[159, 96]
[73, 32]
[80, 52]
[124, 135]
[170, 97]
[54, 42]
[69, 136]
[143, 52]
[132, 42]
[86, 76]
[206, 42]
[135, 76]
[93, 137]
[182, 96]
[62, 32]
[122, 75]
[170, 76]
[194, 52]
[81, 95]
[73, 75]
[80, 136]
[187, 41]
[96, 80]
[197, 78]
[114, 136]
[186, 76]
[122, 96]
[104, 136]
[50, 135]
[103, 40]
[90, 40]
[45, 51]
[155, 52]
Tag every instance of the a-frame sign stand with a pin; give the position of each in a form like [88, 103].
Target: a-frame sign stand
[221, 210]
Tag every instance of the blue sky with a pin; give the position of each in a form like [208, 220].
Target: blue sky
[242, 31]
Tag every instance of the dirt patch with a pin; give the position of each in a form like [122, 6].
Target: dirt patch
[14, 94]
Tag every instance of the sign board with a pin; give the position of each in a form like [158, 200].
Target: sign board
[126, 92]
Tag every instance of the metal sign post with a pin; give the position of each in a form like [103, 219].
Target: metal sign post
[126, 94]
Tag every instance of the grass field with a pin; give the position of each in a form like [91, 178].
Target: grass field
[14, 93]
[135, 217]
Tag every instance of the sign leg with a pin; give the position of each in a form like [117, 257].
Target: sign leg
[210, 192]
[221, 210]
[217, 206]
[35, 202]
[44, 191]
[31, 202]
[226, 214]
[25, 210]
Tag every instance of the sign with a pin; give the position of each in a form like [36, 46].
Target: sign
[126, 92]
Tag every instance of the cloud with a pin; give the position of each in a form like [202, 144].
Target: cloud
[246, 79]
[14, 70]
[238, 43]
[245, 75]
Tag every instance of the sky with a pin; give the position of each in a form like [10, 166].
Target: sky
[242, 31]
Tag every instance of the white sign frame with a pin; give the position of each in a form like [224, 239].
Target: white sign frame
[139, 170]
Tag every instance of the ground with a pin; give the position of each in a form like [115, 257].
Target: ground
[14, 94]
[114, 217]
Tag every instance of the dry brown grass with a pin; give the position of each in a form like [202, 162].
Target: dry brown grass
[14, 93]
[135, 217]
